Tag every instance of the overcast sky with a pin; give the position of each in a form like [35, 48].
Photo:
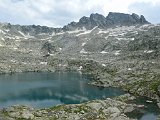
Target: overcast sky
[57, 13]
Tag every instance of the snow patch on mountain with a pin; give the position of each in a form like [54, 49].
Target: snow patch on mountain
[103, 52]
[83, 44]
[22, 33]
[117, 52]
[83, 51]
[148, 51]
[86, 32]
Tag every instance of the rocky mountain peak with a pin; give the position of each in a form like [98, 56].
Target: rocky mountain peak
[124, 19]
[113, 19]
[143, 20]
[97, 17]
[98, 20]
[84, 20]
[135, 16]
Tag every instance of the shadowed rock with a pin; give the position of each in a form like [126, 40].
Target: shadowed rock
[113, 19]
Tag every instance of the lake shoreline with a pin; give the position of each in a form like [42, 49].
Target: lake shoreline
[102, 76]
[107, 109]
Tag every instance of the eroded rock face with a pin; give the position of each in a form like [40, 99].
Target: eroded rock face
[113, 19]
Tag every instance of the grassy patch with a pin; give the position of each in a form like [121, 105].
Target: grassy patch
[147, 84]
[57, 108]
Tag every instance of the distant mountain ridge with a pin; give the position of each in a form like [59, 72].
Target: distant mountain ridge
[113, 19]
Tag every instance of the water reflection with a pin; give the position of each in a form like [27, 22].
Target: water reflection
[49, 89]
[41, 90]
[149, 112]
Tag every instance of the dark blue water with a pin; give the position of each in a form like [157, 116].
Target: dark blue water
[41, 90]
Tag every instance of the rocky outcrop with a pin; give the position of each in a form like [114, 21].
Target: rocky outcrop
[146, 40]
[29, 29]
[113, 19]
[108, 109]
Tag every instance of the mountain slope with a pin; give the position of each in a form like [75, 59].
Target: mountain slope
[118, 50]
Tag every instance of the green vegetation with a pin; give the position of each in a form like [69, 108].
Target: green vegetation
[144, 84]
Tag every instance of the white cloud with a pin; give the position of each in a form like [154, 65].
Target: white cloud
[150, 10]
[60, 12]
[42, 6]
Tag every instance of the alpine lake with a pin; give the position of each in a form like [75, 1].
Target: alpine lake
[45, 89]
